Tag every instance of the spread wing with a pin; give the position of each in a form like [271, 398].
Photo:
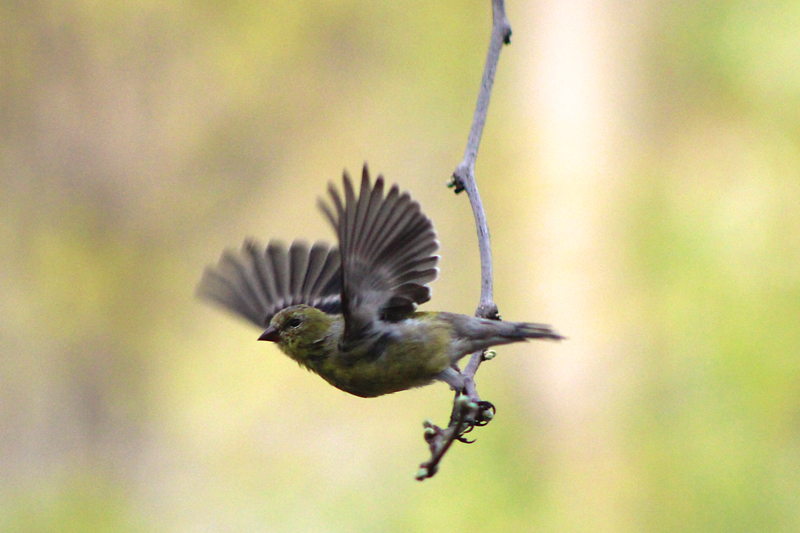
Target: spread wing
[387, 247]
[257, 283]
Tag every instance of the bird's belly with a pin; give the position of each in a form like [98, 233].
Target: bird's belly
[392, 371]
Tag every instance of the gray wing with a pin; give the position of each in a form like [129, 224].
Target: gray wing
[387, 247]
[257, 283]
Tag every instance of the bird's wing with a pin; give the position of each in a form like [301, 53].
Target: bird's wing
[387, 246]
[257, 283]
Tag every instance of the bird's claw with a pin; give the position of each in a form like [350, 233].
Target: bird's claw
[461, 438]
[486, 412]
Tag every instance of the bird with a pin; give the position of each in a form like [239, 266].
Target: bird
[349, 312]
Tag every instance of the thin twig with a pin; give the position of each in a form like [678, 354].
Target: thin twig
[464, 175]
[468, 409]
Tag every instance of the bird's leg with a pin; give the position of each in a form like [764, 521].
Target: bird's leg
[486, 410]
[468, 408]
[453, 377]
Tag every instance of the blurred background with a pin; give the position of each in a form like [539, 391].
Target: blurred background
[640, 171]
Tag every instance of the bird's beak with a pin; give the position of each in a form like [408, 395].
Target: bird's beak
[270, 334]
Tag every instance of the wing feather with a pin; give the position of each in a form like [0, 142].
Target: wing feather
[387, 246]
[256, 283]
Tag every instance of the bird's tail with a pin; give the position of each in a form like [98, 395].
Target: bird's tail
[528, 330]
[472, 334]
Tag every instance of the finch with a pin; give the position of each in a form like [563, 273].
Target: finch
[349, 313]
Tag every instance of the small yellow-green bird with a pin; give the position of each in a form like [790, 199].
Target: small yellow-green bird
[349, 314]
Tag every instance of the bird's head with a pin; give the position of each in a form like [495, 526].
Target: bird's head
[299, 331]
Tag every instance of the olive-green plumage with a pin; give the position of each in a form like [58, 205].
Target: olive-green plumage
[348, 314]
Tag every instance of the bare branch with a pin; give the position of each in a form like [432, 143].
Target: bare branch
[464, 175]
[468, 409]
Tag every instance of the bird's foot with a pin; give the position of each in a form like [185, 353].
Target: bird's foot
[481, 415]
[486, 412]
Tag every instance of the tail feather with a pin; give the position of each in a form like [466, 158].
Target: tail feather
[529, 330]
[472, 334]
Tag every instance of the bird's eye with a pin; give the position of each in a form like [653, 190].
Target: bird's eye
[293, 323]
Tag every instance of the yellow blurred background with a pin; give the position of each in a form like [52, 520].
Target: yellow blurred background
[640, 171]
